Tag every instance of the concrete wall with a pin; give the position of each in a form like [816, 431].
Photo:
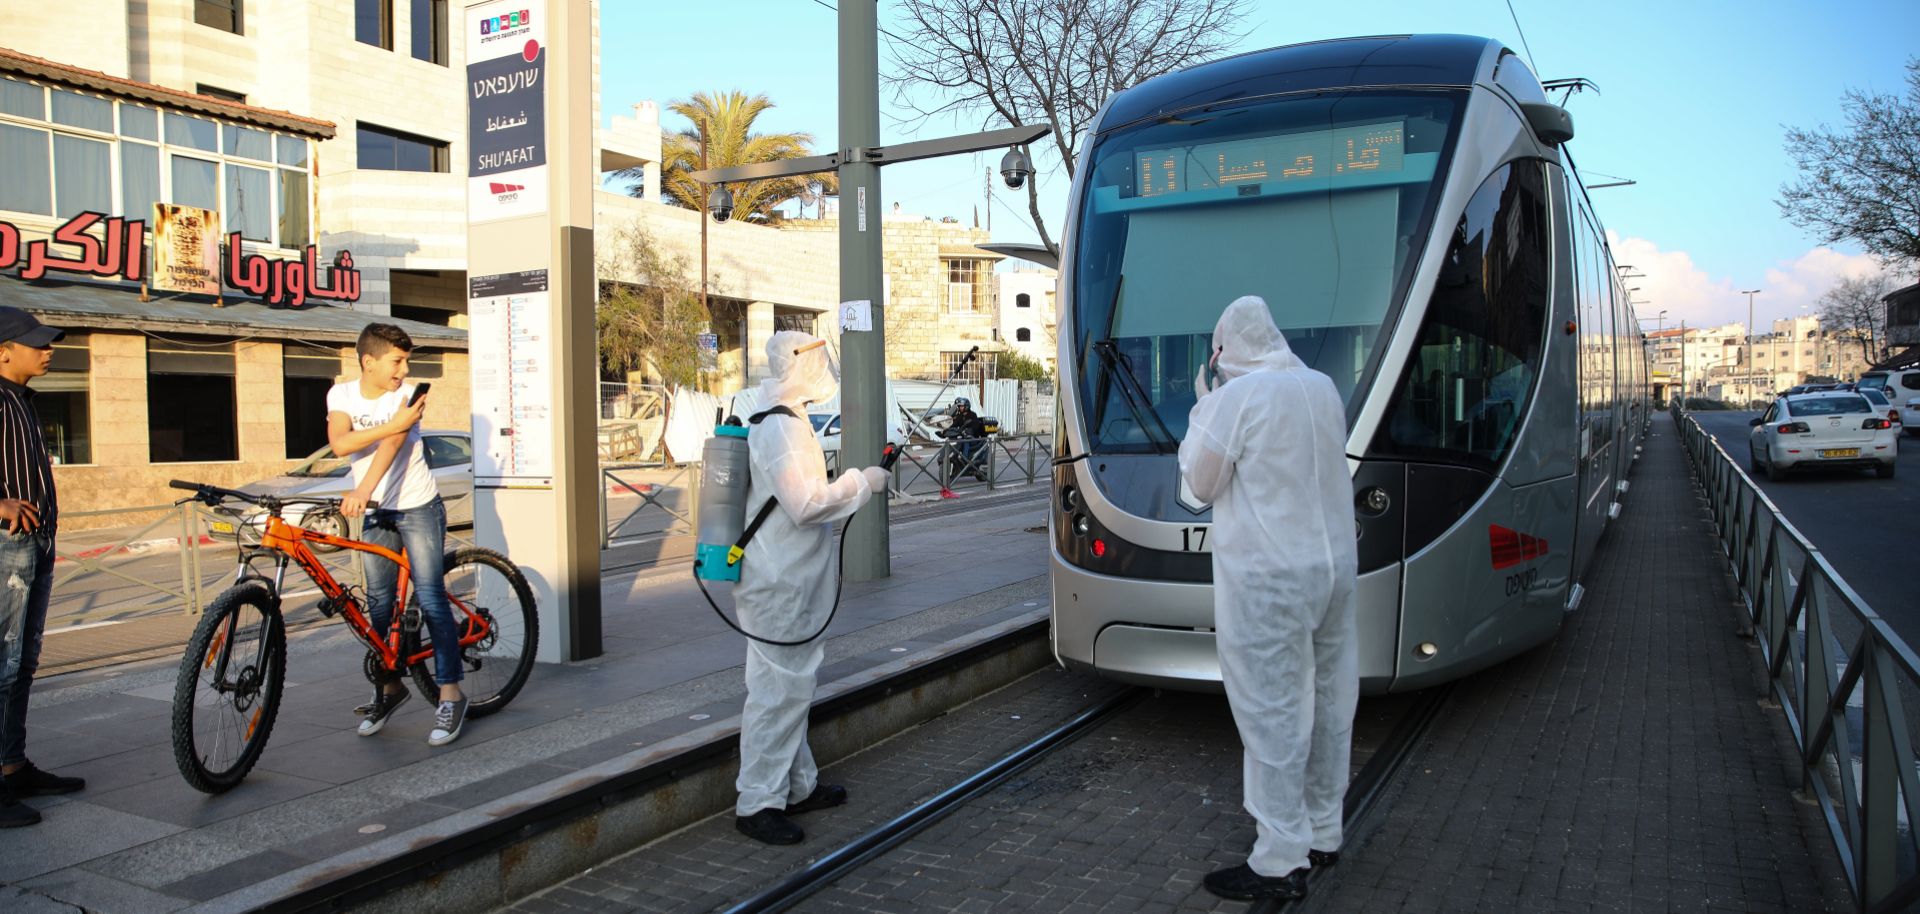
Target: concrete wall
[34, 28]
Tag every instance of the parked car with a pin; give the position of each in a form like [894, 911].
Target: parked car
[1827, 428]
[826, 428]
[1878, 397]
[1901, 385]
[449, 459]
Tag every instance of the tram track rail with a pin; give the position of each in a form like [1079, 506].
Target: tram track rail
[1364, 793]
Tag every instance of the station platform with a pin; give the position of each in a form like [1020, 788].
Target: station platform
[138, 839]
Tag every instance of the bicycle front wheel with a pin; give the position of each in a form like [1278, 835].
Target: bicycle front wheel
[482, 583]
[229, 688]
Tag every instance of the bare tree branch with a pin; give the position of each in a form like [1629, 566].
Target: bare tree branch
[1052, 62]
[1862, 184]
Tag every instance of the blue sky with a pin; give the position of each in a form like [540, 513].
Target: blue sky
[1693, 99]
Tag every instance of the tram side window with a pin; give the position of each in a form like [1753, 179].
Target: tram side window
[1471, 376]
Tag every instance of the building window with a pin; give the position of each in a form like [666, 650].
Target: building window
[191, 414]
[984, 365]
[1023, 300]
[225, 95]
[373, 23]
[60, 397]
[426, 365]
[26, 184]
[220, 14]
[307, 376]
[390, 150]
[966, 285]
[22, 99]
[86, 112]
[1023, 335]
[430, 31]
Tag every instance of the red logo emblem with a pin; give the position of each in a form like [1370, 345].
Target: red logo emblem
[499, 188]
[1511, 547]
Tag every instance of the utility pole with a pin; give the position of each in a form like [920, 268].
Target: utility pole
[1750, 293]
[863, 352]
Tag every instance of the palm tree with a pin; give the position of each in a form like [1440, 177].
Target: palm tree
[725, 122]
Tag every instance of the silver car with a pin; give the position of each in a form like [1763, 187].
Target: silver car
[449, 458]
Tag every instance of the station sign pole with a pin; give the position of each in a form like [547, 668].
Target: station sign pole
[530, 300]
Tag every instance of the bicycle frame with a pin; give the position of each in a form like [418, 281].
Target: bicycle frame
[289, 543]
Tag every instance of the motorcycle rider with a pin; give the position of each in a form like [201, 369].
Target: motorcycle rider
[971, 430]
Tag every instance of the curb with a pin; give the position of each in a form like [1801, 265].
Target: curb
[511, 847]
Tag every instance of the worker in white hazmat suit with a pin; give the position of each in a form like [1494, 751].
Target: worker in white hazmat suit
[1267, 447]
[786, 589]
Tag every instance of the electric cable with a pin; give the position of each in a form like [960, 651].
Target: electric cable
[839, 581]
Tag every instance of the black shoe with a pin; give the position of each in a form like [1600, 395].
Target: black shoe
[381, 708]
[824, 796]
[30, 781]
[1241, 883]
[770, 826]
[15, 814]
[1317, 859]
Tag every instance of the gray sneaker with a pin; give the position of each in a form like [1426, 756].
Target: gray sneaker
[382, 706]
[447, 721]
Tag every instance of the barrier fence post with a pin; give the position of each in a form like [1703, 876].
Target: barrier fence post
[189, 566]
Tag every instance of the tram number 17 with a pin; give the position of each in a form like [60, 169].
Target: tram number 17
[1193, 539]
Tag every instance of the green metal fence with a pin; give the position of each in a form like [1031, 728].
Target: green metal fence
[1847, 684]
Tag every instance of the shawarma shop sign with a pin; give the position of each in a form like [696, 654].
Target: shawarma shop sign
[117, 251]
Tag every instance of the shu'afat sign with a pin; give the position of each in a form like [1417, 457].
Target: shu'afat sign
[186, 251]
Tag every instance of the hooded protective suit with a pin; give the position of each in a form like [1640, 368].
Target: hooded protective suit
[787, 579]
[1268, 449]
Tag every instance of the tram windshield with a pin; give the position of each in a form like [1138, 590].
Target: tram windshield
[1319, 204]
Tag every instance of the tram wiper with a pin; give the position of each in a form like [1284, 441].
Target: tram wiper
[1142, 407]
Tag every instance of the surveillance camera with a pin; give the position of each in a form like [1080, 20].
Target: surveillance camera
[1015, 168]
[720, 204]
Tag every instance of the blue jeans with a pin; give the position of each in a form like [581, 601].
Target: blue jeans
[423, 531]
[26, 581]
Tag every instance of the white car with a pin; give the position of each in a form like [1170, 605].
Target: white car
[826, 429]
[449, 459]
[1837, 428]
[1878, 397]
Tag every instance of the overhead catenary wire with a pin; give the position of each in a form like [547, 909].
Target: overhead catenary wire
[1523, 36]
[837, 9]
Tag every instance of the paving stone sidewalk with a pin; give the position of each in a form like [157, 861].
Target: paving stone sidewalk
[1628, 766]
[138, 839]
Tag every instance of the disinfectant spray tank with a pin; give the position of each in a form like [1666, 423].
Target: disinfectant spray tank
[721, 515]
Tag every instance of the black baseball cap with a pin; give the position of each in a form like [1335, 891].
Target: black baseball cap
[17, 326]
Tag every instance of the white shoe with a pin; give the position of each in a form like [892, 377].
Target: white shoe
[447, 721]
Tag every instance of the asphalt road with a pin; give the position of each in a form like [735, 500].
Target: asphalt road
[1868, 528]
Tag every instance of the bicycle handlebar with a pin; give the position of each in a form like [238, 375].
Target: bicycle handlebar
[212, 494]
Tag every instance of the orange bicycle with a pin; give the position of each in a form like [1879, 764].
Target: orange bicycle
[231, 677]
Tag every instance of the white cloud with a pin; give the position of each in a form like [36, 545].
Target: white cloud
[1675, 284]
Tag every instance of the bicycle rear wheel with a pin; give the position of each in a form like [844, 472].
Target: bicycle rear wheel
[483, 582]
[229, 687]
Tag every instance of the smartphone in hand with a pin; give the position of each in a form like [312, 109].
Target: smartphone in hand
[419, 391]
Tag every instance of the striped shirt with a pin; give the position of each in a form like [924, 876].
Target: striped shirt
[25, 472]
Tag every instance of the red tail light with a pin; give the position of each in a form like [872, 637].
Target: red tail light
[1794, 428]
[1099, 548]
[1893, 415]
[1876, 423]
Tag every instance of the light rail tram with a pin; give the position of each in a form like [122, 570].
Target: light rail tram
[1408, 209]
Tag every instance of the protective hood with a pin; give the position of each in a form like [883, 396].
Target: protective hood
[802, 373]
[1248, 340]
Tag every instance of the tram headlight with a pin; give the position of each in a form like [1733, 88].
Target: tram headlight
[1426, 651]
[1081, 524]
[1069, 498]
[1374, 501]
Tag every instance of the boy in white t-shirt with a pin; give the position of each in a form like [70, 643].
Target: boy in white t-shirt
[370, 420]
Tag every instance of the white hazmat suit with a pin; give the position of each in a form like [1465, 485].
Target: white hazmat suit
[786, 584]
[1268, 449]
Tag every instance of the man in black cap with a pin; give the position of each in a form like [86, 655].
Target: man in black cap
[28, 517]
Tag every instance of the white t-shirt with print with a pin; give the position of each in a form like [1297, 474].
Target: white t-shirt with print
[408, 472]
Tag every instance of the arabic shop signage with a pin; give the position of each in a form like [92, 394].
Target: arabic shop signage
[187, 247]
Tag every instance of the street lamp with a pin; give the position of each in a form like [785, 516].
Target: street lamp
[1750, 293]
[863, 352]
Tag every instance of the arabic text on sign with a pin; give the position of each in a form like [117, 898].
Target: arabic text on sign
[1285, 157]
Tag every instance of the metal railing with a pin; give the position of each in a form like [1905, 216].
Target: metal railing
[667, 498]
[1845, 681]
[973, 463]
